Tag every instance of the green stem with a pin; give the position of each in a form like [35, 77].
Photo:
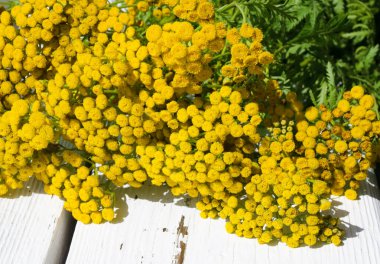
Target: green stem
[110, 91]
[220, 56]
[239, 6]
[226, 7]
[236, 4]
[234, 16]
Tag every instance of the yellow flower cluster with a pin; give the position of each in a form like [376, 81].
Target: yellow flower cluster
[94, 98]
[303, 161]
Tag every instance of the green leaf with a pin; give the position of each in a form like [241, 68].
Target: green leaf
[370, 57]
[312, 97]
[298, 48]
[330, 75]
[9, 4]
[323, 94]
[302, 13]
[315, 10]
[338, 6]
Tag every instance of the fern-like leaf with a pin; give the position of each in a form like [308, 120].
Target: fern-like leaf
[323, 94]
[312, 97]
[370, 57]
[338, 6]
[301, 13]
[315, 10]
[330, 75]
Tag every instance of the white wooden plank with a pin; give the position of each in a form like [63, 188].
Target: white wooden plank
[160, 230]
[152, 230]
[361, 246]
[33, 226]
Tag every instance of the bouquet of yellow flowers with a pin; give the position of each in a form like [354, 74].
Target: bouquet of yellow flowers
[97, 96]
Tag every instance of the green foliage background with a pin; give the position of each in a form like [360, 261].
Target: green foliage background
[322, 47]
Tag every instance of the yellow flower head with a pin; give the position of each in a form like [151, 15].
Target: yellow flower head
[357, 132]
[229, 71]
[276, 147]
[376, 127]
[311, 113]
[233, 36]
[367, 101]
[340, 146]
[246, 31]
[351, 194]
[265, 57]
[239, 51]
[153, 33]
[357, 92]
[205, 10]
[344, 105]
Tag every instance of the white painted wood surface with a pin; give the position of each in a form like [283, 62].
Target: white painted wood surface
[33, 226]
[159, 230]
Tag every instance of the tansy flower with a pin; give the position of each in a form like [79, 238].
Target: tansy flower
[344, 105]
[265, 57]
[357, 132]
[239, 51]
[325, 205]
[357, 92]
[37, 119]
[194, 67]
[233, 36]
[364, 165]
[311, 113]
[340, 146]
[178, 50]
[142, 6]
[326, 115]
[184, 30]
[336, 240]
[257, 35]
[376, 127]
[232, 202]
[229, 71]
[350, 162]
[246, 31]
[302, 125]
[312, 131]
[275, 147]
[300, 136]
[367, 101]
[358, 111]
[209, 31]
[236, 130]
[199, 40]
[205, 10]
[108, 214]
[351, 194]
[310, 240]
[360, 176]
[288, 146]
[39, 142]
[21, 107]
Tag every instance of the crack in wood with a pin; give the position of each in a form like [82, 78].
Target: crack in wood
[181, 255]
[182, 231]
